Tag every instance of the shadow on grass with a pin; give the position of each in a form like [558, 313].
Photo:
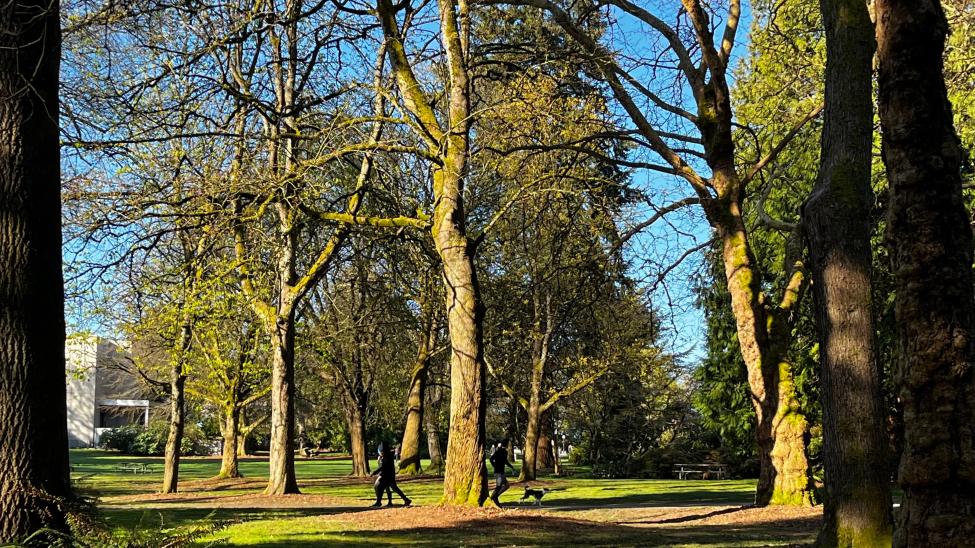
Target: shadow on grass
[687, 518]
[564, 499]
[549, 531]
[182, 517]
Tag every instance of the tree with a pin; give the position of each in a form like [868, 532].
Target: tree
[634, 409]
[230, 366]
[34, 484]
[448, 142]
[930, 242]
[836, 219]
[722, 396]
[427, 334]
[357, 335]
[763, 322]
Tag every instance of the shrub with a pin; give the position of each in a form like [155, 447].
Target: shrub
[121, 439]
[135, 439]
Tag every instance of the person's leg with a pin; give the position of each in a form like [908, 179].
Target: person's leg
[380, 486]
[504, 484]
[389, 495]
[499, 486]
[406, 499]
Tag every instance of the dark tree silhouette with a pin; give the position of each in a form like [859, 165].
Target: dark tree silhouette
[930, 241]
[33, 453]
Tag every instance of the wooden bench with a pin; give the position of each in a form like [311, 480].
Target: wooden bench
[704, 470]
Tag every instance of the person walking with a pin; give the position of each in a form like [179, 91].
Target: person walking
[387, 478]
[499, 459]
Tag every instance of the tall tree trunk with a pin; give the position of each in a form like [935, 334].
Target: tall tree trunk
[244, 432]
[177, 401]
[433, 432]
[174, 441]
[410, 446]
[355, 417]
[529, 455]
[545, 459]
[229, 463]
[763, 337]
[930, 242]
[512, 429]
[465, 478]
[541, 337]
[836, 218]
[281, 479]
[409, 462]
[34, 454]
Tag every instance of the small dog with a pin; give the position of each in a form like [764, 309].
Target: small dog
[537, 494]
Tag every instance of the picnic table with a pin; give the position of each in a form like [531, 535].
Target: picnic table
[705, 470]
[134, 467]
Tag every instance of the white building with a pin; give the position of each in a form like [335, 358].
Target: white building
[102, 392]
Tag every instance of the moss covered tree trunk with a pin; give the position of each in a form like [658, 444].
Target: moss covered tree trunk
[432, 426]
[34, 453]
[529, 456]
[229, 461]
[465, 477]
[763, 322]
[409, 462]
[930, 241]
[836, 218]
[763, 335]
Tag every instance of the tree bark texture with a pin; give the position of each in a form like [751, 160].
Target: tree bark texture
[229, 461]
[836, 219]
[433, 431]
[409, 462]
[355, 416]
[465, 477]
[541, 337]
[763, 325]
[763, 337]
[281, 479]
[930, 242]
[177, 415]
[177, 399]
[34, 483]
[529, 456]
[545, 457]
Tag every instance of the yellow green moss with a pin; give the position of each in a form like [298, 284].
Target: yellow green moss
[856, 537]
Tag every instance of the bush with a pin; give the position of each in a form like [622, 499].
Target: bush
[120, 439]
[134, 439]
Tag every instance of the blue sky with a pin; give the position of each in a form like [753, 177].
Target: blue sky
[664, 242]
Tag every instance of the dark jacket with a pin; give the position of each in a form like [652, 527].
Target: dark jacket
[387, 465]
[499, 459]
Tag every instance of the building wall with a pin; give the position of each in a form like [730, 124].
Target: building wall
[80, 359]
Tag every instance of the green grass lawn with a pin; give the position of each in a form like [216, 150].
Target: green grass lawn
[577, 511]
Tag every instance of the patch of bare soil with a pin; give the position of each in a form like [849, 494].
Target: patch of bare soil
[485, 520]
[481, 520]
[785, 516]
